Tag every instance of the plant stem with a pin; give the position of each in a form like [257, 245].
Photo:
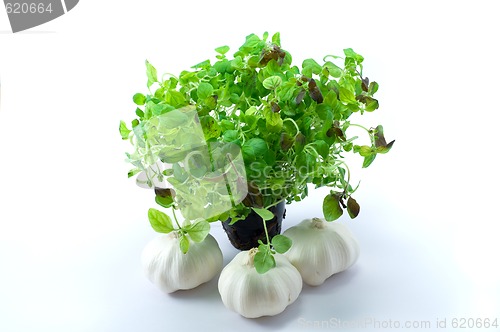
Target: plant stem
[360, 126]
[309, 147]
[334, 57]
[267, 235]
[175, 218]
[347, 167]
[275, 203]
[294, 123]
[171, 75]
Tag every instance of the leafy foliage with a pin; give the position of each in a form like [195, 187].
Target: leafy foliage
[264, 259]
[196, 231]
[290, 123]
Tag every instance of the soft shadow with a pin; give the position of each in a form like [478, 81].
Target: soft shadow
[337, 295]
[287, 317]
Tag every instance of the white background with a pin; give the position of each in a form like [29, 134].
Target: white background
[72, 226]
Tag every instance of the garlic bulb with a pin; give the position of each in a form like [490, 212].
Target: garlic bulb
[253, 295]
[321, 249]
[169, 269]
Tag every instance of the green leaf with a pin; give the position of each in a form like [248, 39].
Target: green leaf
[331, 208]
[227, 125]
[286, 141]
[346, 95]
[159, 93]
[160, 221]
[253, 61]
[158, 109]
[165, 202]
[371, 104]
[270, 159]
[274, 121]
[222, 66]
[368, 160]
[133, 172]
[237, 63]
[179, 173]
[312, 66]
[202, 64]
[322, 148]
[281, 243]
[168, 172]
[198, 231]
[124, 131]
[287, 91]
[305, 163]
[307, 72]
[300, 141]
[372, 88]
[139, 113]
[174, 119]
[139, 134]
[222, 49]
[175, 98]
[257, 145]
[263, 262]
[251, 42]
[380, 143]
[272, 83]
[379, 136]
[276, 39]
[139, 99]
[264, 213]
[165, 192]
[151, 73]
[210, 126]
[205, 90]
[385, 149]
[198, 172]
[263, 247]
[351, 54]
[363, 150]
[352, 207]
[251, 111]
[184, 244]
[333, 69]
[230, 135]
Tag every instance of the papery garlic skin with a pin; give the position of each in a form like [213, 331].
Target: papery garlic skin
[321, 249]
[253, 295]
[170, 270]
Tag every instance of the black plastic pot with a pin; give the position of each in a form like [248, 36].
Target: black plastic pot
[245, 234]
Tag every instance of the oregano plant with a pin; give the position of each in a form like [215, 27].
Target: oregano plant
[287, 122]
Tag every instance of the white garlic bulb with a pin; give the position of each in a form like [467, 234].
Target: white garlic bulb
[253, 295]
[169, 269]
[321, 249]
